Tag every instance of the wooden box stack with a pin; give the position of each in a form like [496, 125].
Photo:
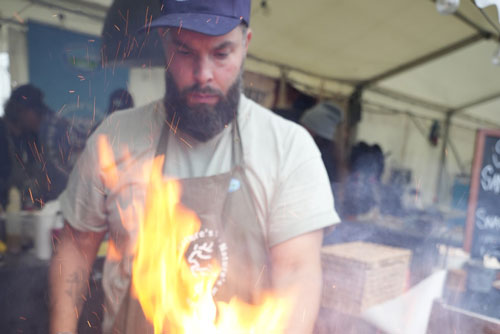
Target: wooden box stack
[358, 275]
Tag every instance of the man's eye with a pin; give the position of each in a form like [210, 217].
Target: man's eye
[183, 52]
[221, 55]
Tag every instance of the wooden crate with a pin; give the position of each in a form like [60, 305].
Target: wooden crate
[358, 275]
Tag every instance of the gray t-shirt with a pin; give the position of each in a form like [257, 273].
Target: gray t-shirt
[282, 164]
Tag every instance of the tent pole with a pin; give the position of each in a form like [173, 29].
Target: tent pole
[426, 58]
[477, 102]
[95, 17]
[442, 160]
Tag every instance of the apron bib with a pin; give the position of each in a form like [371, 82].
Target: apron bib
[230, 233]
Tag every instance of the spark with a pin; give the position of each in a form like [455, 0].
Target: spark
[126, 24]
[88, 322]
[31, 196]
[116, 27]
[102, 57]
[149, 24]
[88, 287]
[260, 276]
[304, 312]
[93, 115]
[96, 315]
[76, 312]
[71, 91]
[116, 55]
[22, 318]
[20, 161]
[17, 17]
[60, 110]
[185, 142]
[146, 17]
[91, 40]
[180, 28]
[170, 61]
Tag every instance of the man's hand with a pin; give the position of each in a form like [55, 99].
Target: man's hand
[296, 265]
[69, 272]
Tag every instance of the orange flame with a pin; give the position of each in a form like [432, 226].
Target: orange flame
[174, 299]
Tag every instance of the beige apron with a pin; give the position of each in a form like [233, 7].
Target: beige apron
[230, 229]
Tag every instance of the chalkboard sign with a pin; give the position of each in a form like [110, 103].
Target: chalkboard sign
[482, 233]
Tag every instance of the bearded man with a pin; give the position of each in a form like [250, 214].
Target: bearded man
[256, 181]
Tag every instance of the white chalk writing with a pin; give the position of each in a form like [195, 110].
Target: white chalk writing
[490, 181]
[496, 157]
[485, 221]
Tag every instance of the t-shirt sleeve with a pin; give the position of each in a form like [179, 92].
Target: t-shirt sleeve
[83, 200]
[303, 201]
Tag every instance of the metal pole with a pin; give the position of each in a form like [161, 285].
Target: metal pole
[442, 160]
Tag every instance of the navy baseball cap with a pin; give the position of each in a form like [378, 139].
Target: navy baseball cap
[209, 17]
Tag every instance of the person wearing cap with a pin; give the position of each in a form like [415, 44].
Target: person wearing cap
[255, 180]
[321, 121]
[37, 148]
[20, 151]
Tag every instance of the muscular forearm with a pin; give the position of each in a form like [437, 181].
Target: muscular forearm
[69, 273]
[303, 286]
[296, 272]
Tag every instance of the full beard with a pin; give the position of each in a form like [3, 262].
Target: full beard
[202, 122]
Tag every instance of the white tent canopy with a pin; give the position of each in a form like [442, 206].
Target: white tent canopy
[356, 41]
[411, 59]
[332, 45]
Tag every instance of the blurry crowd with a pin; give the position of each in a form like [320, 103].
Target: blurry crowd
[38, 149]
[358, 188]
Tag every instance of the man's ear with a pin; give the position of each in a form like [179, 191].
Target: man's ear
[248, 38]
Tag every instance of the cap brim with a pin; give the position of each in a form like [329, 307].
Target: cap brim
[213, 25]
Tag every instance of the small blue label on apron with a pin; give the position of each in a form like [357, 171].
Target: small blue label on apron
[234, 185]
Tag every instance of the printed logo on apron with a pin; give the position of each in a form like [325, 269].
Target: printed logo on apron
[234, 185]
[205, 249]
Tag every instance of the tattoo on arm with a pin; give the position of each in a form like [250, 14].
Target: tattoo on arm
[73, 285]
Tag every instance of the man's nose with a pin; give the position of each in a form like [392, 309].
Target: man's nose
[203, 71]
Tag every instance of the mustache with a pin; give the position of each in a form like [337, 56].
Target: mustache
[196, 88]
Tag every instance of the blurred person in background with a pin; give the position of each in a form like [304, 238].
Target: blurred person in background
[362, 187]
[22, 161]
[321, 121]
[37, 148]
